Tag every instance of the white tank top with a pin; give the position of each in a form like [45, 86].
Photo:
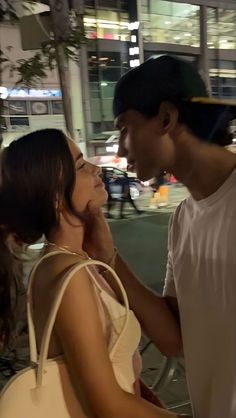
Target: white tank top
[123, 353]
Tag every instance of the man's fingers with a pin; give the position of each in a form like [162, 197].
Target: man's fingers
[93, 209]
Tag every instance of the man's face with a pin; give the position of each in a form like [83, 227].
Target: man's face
[143, 143]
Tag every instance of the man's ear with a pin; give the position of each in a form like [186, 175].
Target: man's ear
[168, 116]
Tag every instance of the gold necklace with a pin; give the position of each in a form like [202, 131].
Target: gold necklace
[85, 255]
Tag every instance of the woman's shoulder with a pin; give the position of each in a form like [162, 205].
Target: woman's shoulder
[53, 267]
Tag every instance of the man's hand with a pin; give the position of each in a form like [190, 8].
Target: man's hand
[98, 241]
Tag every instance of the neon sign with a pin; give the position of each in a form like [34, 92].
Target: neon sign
[28, 93]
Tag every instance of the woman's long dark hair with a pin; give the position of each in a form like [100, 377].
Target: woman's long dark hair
[36, 170]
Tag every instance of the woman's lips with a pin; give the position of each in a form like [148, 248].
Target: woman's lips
[99, 184]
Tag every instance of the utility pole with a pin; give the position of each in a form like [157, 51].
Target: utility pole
[59, 11]
[80, 94]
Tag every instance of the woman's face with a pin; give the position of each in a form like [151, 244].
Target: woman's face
[88, 184]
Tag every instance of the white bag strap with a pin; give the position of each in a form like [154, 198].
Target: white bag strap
[54, 309]
[31, 329]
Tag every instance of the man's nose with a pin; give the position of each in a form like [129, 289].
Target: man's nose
[122, 151]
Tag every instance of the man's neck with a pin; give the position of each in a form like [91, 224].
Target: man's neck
[203, 168]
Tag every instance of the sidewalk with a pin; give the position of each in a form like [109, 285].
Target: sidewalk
[166, 378]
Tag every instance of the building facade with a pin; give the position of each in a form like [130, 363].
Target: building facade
[203, 33]
[121, 34]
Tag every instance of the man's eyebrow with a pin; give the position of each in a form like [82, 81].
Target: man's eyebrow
[79, 156]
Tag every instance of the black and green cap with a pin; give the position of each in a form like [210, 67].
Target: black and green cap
[157, 79]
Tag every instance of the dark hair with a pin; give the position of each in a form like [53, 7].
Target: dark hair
[36, 171]
[208, 122]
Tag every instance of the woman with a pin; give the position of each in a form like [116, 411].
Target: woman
[48, 189]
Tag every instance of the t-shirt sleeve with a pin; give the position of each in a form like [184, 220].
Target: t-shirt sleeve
[169, 285]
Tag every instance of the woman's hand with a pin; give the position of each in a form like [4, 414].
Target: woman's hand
[98, 241]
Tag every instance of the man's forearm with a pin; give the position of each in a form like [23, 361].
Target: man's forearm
[153, 312]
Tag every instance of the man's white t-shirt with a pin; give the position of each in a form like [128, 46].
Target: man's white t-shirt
[201, 273]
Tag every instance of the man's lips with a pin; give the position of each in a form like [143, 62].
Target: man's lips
[131, 167]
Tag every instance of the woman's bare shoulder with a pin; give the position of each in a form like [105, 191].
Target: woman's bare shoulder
[55, 267]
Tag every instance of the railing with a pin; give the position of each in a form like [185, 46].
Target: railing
[165, 377]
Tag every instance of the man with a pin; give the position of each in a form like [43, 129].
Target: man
[167, 122]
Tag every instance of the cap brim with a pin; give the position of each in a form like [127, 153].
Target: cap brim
[213, 101]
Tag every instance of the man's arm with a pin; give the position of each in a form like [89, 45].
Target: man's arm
[153, 311]
[158, 315]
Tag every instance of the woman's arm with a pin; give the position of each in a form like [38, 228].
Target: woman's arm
[79, 329]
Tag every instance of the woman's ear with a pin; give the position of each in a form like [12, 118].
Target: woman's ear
[168, 116]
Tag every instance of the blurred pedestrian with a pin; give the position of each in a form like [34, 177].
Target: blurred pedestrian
[126, 196]
[110, 201]
[158, 181]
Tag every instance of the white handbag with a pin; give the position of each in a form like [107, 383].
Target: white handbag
[44, 389]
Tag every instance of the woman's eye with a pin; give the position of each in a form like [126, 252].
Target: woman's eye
[80, 166]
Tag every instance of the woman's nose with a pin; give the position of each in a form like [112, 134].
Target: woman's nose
[98, 170]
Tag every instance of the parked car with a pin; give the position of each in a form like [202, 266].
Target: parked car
[116, 177]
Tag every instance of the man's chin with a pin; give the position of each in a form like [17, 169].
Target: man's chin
[144, 177]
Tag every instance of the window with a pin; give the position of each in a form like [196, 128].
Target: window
[221, 28]
[98, 127]
[17, 107]
[106, 24]
[111, 4]
[105, 69]
[107, 90]
[110, 74]
[19, 122]
[57, 107]
[94, 90]
[223, 78]
[172, 23]
[89, 3]
[121, 5]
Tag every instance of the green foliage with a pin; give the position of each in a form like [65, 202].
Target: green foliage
[31, 70]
